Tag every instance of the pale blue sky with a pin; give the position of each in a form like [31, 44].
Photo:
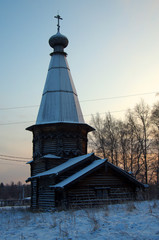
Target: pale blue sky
[113, 51]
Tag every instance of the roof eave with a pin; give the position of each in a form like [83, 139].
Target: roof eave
[87, 127]
[127, 175]
[62, 170]
[80, 177]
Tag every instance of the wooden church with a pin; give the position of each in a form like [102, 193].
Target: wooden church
[63, 174]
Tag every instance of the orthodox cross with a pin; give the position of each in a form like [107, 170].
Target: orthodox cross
[58, 23]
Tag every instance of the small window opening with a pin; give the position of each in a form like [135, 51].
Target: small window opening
[102, 193]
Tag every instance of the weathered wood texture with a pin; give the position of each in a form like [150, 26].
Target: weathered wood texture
[66, 140]
[99, 188]
[17, 202]
[102, 186]
[60, 139]
[33, 194]
[41, 165]
[46, 198]
[43, 197]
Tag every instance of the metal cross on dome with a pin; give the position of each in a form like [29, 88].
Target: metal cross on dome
[58, 23]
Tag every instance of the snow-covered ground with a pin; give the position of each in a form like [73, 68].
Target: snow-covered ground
[139, 220]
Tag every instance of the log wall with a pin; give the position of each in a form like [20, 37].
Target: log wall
[43, 197]
[99, 188]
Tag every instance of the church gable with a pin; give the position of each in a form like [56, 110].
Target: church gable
[96, 184]
[95, 187]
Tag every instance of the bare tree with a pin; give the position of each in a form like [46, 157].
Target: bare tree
[128, 143]
[135, 144]
[97, 137]
[111, 131]
[123, 143]
[104, 139]
[131, 128]
[142, 115]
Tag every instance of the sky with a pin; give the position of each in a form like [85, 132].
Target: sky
[113, 54]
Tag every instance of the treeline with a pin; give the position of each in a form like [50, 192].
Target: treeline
[132, 143]
[14, 191]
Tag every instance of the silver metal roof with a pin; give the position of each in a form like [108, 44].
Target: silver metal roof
[59, 101]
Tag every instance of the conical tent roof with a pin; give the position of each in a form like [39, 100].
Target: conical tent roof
[59, 101]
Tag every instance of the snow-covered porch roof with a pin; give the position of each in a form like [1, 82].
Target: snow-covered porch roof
[64, 166]
[50, 156]
[79, 174]
[93, 166]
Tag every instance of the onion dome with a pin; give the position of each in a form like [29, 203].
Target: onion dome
[58, 40]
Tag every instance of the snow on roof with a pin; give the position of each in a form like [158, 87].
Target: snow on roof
[46, 156]
[75, 176]
[126, 174]
[63, 166]
[50, 156]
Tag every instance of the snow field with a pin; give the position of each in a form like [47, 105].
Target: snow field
[137, 221]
